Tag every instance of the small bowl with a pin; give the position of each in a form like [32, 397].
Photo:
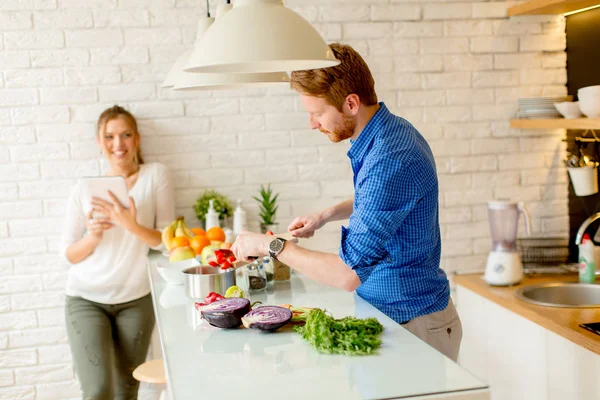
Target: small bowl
[589, 91]
[590, 106]
[200, 281]
[172, 273]
[568, 109]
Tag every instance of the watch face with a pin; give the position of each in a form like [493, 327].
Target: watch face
[276, 245]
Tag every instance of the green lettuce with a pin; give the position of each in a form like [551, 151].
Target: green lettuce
[349, 336]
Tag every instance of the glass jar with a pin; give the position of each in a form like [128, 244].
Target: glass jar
[281, 271]
[257, 277]
[268, 267]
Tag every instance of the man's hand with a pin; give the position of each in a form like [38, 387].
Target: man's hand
[250, 245]
[305, 226]
[126, 217]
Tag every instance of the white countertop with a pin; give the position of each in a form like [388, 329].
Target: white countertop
[204, 362]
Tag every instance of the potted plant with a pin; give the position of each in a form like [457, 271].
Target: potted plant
[267, 202]
[221, 204]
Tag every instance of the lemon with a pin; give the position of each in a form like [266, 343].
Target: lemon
[234, 291]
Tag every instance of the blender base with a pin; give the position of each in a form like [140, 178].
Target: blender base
[503, 269]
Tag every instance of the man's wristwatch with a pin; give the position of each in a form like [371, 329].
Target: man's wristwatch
[275, 247]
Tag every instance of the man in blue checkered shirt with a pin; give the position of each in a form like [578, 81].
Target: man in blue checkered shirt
[390, 251]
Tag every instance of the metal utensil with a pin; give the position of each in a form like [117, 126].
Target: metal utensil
[200, 281]
[584, 161]
[571, 160]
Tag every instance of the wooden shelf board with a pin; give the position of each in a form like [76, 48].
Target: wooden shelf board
[556, 123]
[534, 7]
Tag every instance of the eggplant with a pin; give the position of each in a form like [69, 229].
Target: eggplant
[267, 318]
[225, 313]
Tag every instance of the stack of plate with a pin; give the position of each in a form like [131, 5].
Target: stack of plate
[540, 107]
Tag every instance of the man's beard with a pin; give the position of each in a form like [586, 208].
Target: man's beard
[342, 132]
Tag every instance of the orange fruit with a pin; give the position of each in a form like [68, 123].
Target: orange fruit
[179, 241]
[198, 231]
[226, 245]
[198, 243]
[215, 234]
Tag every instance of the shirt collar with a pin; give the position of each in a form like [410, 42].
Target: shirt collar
[359, 146]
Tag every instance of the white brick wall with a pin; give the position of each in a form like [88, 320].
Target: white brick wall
[453, 68]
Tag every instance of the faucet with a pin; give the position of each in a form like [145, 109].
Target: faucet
[584, 227]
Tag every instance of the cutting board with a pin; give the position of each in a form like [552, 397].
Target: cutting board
[287, 236]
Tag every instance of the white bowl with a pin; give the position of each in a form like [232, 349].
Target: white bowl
[590, 95]
[589, 90]
[590, 106]
[568, 109]
[172, 272]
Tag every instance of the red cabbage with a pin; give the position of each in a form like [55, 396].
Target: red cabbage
[225, 313]
[267, 318]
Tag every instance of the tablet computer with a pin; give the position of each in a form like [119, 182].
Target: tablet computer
[99, 186]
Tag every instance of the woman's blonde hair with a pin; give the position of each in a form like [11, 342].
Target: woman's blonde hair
[334, 84]
[119, 112]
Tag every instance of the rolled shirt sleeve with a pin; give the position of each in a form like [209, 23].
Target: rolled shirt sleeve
[385, 194]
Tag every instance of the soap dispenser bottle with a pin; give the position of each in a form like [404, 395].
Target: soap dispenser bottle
[240, 222]
[587, 267]
[212, 217]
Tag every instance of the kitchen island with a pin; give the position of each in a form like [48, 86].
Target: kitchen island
[204, 362]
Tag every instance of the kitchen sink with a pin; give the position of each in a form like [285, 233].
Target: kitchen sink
[570, 295]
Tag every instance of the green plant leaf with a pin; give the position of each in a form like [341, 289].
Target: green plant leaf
[267, 202]
[220, 202]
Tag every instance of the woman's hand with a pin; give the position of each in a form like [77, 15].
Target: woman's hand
[119, 215]
[96, 227]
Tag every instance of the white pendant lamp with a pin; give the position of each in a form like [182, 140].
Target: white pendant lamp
[187, 81]
[176, 70]
[175, 74]
[259, 36]
[181, 80]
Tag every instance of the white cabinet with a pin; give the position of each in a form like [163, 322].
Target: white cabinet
[519, 359]
[573, 372]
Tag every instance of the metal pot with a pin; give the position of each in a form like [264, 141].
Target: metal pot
[200, 281]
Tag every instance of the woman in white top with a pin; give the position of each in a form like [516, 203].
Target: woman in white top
[108, 309]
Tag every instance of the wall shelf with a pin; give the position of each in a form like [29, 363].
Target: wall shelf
[556, 123]
[534, 7]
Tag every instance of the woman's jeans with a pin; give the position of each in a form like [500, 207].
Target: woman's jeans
[108, 341]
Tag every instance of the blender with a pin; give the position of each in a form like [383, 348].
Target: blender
[504, 267]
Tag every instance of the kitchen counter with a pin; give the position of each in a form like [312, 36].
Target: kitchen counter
[562, 321]
[204, 362]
